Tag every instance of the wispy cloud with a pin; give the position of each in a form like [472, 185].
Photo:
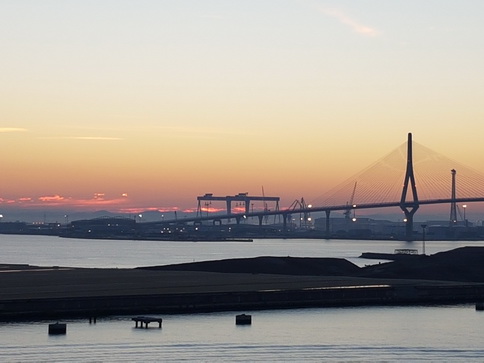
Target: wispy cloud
[213, 210]
[56, 200]
[96, 138]
[87, 138]
[136, 210]
[171, 131]
[349, 21]
[52, 199]
[12, 129]
[115, 203]
[204, 132]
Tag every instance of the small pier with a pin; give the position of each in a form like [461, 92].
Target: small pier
[243, 319]
[140, 320]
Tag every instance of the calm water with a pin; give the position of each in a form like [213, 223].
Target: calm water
[425, 333]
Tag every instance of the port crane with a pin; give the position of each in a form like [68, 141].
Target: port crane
[350, 205]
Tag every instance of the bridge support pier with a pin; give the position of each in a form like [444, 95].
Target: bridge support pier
[284, 222]
[328, 232]
[409, 223]
[229, 206]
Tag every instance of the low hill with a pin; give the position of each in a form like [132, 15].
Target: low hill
[462, 264]
[271, 265]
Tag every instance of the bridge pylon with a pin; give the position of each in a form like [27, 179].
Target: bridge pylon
[409, 207]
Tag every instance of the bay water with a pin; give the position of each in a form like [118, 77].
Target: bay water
[446, 333]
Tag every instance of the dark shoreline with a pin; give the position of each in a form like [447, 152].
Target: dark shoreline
[30, 292]
[365, 295]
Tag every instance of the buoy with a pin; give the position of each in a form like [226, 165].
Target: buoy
[57, 329]
[480, 306]
[243, 319]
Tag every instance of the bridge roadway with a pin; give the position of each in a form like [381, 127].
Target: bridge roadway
[328, 209]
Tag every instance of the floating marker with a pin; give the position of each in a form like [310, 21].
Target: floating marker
[57, 329]
[243, 319]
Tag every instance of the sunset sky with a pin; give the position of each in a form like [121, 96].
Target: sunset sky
[129, 105]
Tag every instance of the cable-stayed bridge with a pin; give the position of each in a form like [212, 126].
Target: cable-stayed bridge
[383, 181]
[389, 182]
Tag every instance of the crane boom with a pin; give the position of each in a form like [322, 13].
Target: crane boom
[349, 204]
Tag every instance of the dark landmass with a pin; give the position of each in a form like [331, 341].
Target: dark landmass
[270, 265]
[387, 256]
[462, 264]
[30, 292]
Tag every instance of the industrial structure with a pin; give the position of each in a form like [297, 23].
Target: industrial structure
[409, 203]
[244, 198]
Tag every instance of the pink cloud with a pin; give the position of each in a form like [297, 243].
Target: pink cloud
[53, 198]
[352, 23]
[211, 209]
[135, 210]
[121, 203]
[99, 199]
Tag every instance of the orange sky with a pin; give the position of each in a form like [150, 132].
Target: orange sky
[152, 104]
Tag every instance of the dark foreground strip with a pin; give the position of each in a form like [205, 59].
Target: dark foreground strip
[265, 299]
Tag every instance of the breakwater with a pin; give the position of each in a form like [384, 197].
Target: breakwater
[253, 283]
[219, 294]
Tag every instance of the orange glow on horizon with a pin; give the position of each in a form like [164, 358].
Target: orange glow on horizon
[58, 200]
[211, 210]
[148, 209]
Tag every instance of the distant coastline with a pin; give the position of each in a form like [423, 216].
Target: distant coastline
[130, 229]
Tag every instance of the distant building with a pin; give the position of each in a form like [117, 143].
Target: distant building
[361, 228]
[102, 228]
